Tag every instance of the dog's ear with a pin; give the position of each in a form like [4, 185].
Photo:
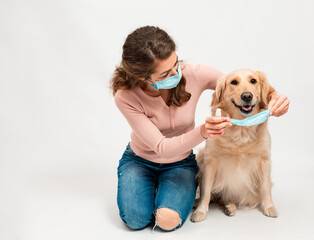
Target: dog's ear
[266, 89]
[220, 88]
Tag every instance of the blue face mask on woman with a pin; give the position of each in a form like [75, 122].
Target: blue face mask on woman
[170, 82]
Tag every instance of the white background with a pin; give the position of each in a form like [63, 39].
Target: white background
[61, 135]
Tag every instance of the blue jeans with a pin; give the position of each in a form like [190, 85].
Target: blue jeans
[145, 186]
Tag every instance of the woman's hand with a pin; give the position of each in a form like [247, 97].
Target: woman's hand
[215, 126]
[278, 105]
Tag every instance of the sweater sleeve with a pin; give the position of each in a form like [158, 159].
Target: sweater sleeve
[149, 134]
[205, 75]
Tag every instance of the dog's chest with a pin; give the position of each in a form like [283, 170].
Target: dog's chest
[241, 137]
[237, 173]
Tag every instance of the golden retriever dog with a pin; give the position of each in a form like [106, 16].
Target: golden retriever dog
[235, 168]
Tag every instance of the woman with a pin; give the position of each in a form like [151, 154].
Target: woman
[157, 94]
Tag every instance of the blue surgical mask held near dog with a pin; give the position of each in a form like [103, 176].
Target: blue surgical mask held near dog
[253, 120]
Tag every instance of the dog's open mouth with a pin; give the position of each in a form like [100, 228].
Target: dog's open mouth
[245, 109]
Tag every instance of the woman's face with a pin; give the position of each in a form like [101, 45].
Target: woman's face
[165, 68]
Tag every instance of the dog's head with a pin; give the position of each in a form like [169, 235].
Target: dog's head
[242, 92]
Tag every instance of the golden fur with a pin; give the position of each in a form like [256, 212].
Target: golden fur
[236, 166]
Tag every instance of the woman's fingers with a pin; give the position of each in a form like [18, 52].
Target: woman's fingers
[283, 112]
[277, 105]
[216, 120]
[283, 108]
[212, 135]
[210, 131]
[217, 126]
[273, 100]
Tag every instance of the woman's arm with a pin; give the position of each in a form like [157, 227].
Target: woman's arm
[151, 136]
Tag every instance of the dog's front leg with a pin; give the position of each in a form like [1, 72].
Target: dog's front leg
[208, 174]
[267, 203]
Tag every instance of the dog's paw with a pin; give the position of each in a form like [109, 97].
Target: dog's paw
[270, 212]
[198, 216]
[230, 209]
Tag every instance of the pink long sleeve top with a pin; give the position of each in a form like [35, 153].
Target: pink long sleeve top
[162, 133]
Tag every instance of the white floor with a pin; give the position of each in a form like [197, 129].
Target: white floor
[68, 202]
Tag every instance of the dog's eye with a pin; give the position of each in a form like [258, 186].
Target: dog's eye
[234, 82]
[253, 81]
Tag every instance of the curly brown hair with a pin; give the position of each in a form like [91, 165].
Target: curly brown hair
[140, 50]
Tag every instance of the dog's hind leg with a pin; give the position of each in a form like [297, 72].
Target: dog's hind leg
[230, 209]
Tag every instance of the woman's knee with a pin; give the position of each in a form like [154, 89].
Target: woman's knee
[167, 219]
[137, 221]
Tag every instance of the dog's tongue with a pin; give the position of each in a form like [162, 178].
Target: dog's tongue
[247, 108]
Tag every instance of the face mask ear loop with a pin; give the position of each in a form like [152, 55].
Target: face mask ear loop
[152, 83]
[148, 79]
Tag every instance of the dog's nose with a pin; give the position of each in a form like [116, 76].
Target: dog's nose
[247, 96]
